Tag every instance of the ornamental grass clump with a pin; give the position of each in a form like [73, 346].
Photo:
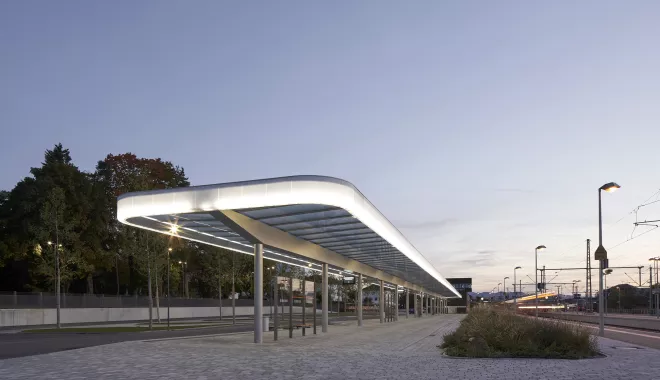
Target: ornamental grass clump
[489, 333]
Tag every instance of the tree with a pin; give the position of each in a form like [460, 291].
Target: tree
[126, 173]
[57, 190]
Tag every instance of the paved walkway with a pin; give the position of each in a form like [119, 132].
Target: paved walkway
[403, 350]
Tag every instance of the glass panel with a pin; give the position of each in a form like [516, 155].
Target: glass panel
[334, 214]
[364, 231]
[342, 220]
[272, 212]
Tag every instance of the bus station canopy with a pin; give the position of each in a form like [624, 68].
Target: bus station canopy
[301, 220]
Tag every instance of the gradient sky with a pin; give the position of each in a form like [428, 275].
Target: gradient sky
[480, 129]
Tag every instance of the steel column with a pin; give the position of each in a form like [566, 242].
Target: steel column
[258, 292]
[381, 302]
[359, 299]
[407, 301]
[324, 299]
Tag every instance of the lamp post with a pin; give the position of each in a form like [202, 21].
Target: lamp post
[56, 251]
[536, 277]
[504, 287]
[575, 287]
[618, 290]
[651, 298]
[169, 252]
[601, 256]
[183, 278]
[272, 288]
[498, 289]
[515, 294]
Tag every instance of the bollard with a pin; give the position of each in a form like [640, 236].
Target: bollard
[41, 300]
[15, 300]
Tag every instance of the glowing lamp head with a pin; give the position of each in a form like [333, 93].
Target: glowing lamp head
[517, 268]
[610, 187]
[50, 243]
[174, 229]
[540, 248]
[506, 278]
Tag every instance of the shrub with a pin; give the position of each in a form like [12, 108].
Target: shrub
[486, 332]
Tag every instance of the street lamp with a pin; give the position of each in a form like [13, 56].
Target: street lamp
[536, 277]
[655, 266]
[183, 278]
[601, 256]
[169, 252]
[575, 288]
[56, 251]
[498, 289]
[272, 288]
[515, 295]
[505, 278]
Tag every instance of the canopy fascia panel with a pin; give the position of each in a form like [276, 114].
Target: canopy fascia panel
[141, 209]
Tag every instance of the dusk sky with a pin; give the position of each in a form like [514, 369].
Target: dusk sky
[480, 129]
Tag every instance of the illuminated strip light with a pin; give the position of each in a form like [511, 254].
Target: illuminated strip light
[247, 252]
[543, 307]
[532, 297]
[273, 193]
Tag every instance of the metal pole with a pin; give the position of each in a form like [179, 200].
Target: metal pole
[359, 300]
[57, 266]
[515, 295]
[601, 297]
[258, 292]
[304, 305]
[407, 302]
[276, 300]
[290, 307]
[381, 302]
[601, 300]
[314, 301]
[233, 289]
[168, 290]
[650, 289]
[536, 283]
[324, 299]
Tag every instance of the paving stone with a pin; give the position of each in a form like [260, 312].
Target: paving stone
[401, 350]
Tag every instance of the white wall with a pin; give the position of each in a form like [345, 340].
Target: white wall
[35, 317]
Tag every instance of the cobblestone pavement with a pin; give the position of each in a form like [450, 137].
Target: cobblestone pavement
[402, 350]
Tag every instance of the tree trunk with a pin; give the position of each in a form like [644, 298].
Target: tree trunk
[185, 280]
[151, 300]
[157, 298]
[117, 272]
[90, 284]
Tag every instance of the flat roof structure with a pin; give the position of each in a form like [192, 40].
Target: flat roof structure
[308, 221]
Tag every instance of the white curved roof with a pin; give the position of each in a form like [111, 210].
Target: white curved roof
[325, 211]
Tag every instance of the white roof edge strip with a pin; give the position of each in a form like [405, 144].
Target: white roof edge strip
[273, 193]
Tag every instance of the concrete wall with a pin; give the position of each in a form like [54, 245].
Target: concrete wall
[35, 317]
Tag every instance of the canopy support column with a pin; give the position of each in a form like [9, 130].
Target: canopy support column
[359, 299]
[381, 302]
[258, 292]
[324, 299]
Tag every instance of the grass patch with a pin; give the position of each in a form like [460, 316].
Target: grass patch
[112, 329]
[490, 333]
